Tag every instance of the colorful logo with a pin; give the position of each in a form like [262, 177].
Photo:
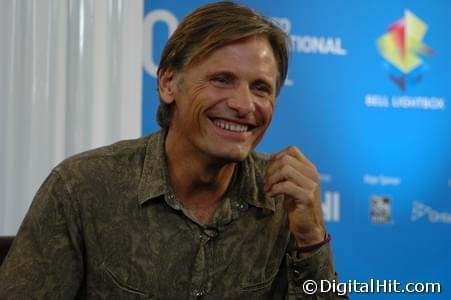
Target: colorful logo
[402, 47]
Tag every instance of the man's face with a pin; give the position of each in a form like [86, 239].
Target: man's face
[224, 103]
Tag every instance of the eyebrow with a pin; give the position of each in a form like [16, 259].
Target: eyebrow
[232, 74]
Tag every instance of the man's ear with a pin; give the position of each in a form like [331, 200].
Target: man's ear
[167, 85]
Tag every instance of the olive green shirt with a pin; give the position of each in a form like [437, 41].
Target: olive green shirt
[106, 224]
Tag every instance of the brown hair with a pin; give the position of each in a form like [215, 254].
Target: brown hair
[211, 27]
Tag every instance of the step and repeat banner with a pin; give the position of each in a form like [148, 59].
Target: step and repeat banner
[367, 99]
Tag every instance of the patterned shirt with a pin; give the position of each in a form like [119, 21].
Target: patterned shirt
[106, 224]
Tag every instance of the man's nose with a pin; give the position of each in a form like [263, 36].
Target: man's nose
[242, 101]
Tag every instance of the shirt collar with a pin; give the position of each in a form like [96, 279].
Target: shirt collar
[154, 179]
[247, 185]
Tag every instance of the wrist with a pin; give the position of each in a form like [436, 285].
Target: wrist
[310, 237]
[301, 247]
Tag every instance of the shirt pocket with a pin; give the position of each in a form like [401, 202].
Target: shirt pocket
[120, 289]
[265, 284]
[261, 274]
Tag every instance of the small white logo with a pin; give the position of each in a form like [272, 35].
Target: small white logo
[380, 209]
[420, 210]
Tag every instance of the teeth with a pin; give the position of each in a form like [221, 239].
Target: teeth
[230, 126]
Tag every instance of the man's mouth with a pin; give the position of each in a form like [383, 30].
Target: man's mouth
[231, 126]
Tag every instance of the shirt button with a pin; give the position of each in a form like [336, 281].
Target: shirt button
[199, 294]
[243, 206]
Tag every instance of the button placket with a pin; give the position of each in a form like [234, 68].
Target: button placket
[199, 271]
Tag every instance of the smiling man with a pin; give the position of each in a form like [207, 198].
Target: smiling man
[191, 211]
[221, 107]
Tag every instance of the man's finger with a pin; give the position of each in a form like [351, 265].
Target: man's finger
[278, 164]
[288, 173]
[292, 151]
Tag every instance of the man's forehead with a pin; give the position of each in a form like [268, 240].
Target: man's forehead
[256, 49]
[200, 56]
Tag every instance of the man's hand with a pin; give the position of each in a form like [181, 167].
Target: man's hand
[291, 174]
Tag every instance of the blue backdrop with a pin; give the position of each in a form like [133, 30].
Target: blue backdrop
[367, 100]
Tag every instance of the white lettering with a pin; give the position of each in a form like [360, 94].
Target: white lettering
[376, 101]
[437, 217]
[381, 180]
[317, 45]
[331, 206]
[158, 15]
[420, 210]
[325, 177]
[419, 102]
[288, 82]
[405, 102]
[326, 286]
[374, 286]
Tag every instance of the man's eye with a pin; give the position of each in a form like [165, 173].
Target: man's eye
[221, 80]
[262, 89]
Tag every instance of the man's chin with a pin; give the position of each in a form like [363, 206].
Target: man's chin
[234, 156]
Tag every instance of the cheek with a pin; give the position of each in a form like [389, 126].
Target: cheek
[196, 111]
[204, 100]
[195, 104]
[265, 111]
[264, 114]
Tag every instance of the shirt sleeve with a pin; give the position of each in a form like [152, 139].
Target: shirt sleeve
[307, 274]
[45, 260]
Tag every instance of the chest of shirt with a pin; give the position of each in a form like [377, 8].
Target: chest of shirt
[158, 252]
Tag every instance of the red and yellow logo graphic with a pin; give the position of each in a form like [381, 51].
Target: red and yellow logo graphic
[402, 47]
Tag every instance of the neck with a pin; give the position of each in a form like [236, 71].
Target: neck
[198, 181]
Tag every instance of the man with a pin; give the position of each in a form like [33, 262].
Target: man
[190, 212]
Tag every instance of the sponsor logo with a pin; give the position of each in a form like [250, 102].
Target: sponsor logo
[402, 47]
[380, 209]
[420, 211]
[331, 206]
[310, 44]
